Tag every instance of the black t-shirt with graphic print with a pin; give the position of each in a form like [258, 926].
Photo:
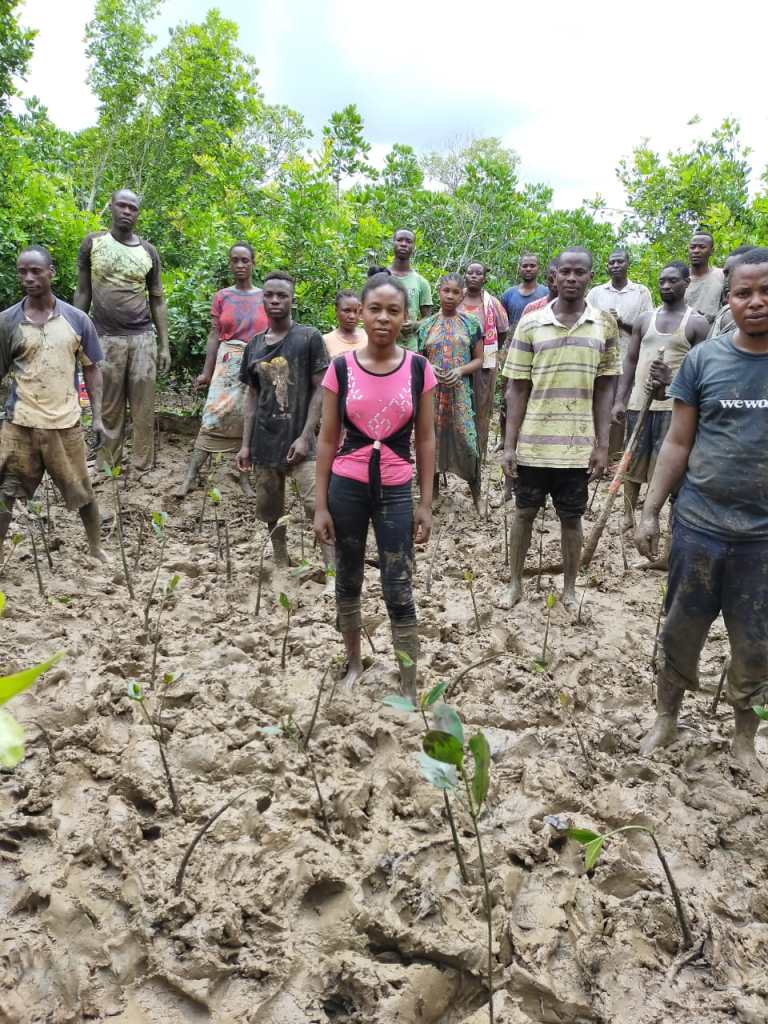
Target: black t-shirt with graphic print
[281, 375]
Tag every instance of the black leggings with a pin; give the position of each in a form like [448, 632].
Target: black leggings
[352, 508]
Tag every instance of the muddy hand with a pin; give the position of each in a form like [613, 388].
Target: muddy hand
[298, 451]
[323, 525]
[422, 524]
[647, 537]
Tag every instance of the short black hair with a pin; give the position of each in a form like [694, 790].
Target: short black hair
[476, 263]
[619, 251]
[125, 188]
[345, 293]
[451, 277]
[706, 232]
[679, 265]
[40, 250]
[576, 248]
[280, 275]
[373, 271]
[242, 245]
[528, 256]
[753, 258]
[379, 280]
[741, 249]
[409, 230]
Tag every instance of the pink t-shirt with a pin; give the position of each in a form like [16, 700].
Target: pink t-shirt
[378, 404]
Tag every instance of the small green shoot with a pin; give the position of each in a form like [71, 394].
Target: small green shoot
[11, 733]
[281, 523]
[469, 579]
[155, 722]
[35, 511]
[2, 604]
[542, 531]
[159, 521]
[594, 843]
[15, 539]
[114, 473]
[290, 730]
[168, 591]
[290, 608]
[762, 712]
[540, 664]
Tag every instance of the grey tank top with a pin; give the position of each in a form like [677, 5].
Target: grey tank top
[676, 347]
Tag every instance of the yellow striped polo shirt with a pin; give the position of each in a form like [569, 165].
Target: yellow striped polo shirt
[562, 363]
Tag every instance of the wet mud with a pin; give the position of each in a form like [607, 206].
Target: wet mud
[278, 922]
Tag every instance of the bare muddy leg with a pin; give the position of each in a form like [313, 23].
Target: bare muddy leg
[354, 658]
[279, 544]
[92, 522]
[631, 497]
[6, 510]
[571, 540]
[669, 699]
[196, 462]
[519, 542]
[743, 743]
[245, 485]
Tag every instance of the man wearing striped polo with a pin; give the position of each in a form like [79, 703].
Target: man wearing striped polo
[561, 367]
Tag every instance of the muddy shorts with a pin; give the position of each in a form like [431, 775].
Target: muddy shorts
[708, 576]
[652, 434]
[568, 488]
[27, 452]
[269, 484]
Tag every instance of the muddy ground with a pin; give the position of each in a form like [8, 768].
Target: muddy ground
[279, 922]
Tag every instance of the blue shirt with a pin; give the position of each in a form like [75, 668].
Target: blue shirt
[514, 302]
[725, 489]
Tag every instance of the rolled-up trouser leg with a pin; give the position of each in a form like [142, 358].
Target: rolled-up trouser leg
[694, 588]
[745, 611]
[142, 372]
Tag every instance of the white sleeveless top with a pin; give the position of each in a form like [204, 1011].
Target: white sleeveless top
[676, 347]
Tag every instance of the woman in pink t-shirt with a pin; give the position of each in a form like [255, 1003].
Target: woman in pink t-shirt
[373, 401]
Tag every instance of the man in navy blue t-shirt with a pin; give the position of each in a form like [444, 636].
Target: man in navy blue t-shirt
[719, 555]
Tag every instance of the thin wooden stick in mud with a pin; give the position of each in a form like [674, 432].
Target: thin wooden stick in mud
[541, 543]
[311, 726]
[435, 549]
[506, 534]
[594, 495]
[618, 479]
[40, 586]
[227, 551]
[368, 638]
[465, 671]
[44, 539]
[261, 807]
[716, 701]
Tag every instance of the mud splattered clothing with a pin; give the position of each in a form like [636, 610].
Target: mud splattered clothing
[121, 278]
[269, 484]
[705, 294]
[237, 317]
[129, 371]
[708, 575]
[42, 359]
[447, 342]
[27, 452]
[281, 377]
[492, 315]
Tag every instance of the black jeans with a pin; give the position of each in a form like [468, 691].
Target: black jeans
[352, 508]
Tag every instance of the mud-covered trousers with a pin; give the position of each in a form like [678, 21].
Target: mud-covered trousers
[708, 576]
[352, 508]
[129, 370]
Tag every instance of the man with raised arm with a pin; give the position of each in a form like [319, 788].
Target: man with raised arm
[704, 293]
[119, 282]
[418, 288]
[283, 370]
[561, 368]
[675, 328]
[718, 560]
[42, 339]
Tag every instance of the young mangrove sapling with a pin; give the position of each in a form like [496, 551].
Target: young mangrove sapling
[281, 522]
[594, 842]
[159, 521]
[540, 664]
[155, 722]
[443, 764]
[469, 578]
[290, 607]
[114, 473]
[14, 540]
[569, 705]
[168, 591]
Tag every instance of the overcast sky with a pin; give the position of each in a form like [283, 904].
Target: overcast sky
[572, 87]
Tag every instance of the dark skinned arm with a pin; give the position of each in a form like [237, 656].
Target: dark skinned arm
[517, 394]
[670, 467]
[249, 417]
[211, 352]
[94, 385]
[660, 374]
[84, 291]
[424, 443]
[627, 380]
[159, 313]
[327, 445]
[602, 399]
[300, 447]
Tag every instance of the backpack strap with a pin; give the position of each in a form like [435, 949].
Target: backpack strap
[417, 380]
[340, 366]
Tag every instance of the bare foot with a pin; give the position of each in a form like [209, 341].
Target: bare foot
[330, 588]
[663, 732]
[512, 597]
[569, 601]
[659, 564]
[354, 671]
[245, 486]
[182, 490]
[743, 752]
[100, 555]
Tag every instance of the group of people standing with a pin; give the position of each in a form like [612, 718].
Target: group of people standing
[339, 415]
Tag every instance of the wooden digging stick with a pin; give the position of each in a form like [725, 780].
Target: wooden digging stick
[618, 479]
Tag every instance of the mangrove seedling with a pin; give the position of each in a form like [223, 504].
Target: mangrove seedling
[443, 764]
[155, 723]
[159, 521]
[290, 608]
[114, 473]
[14, 540]
[435, 549]
[214, 496]
[762, 712]
[469, 578]
[540, 664]
[168, 591]
[35, 559]
[11, 733]
[281, 522]
[297, 495]
[542, 531]
[35, 511]
[594, 842]
[425, 701]
[2, 604]
[213, 463]
[720, 684]
[569, 705]
[292, 731]
[662, 595]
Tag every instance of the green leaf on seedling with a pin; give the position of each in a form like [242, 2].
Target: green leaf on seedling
[405, 659]
[168, 678]
[2, 604]
[551, 599]
[113, 471]
[582, 835]
[34, 507]
[446, 719]
[482, 777]
[538, 666]
[270, 730]
[303, 565]
[11, 740]
[159, 519]
[433, 696]
[592, 852]
[285, 601]
[442, 746]
[565, 699]
[330, 572]
[761, 712]
[16, 539]
[19, 681]
[214, 496]
[134, 690]
[469, 576]
[439, 774]
[399, 703]
[172, 583]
